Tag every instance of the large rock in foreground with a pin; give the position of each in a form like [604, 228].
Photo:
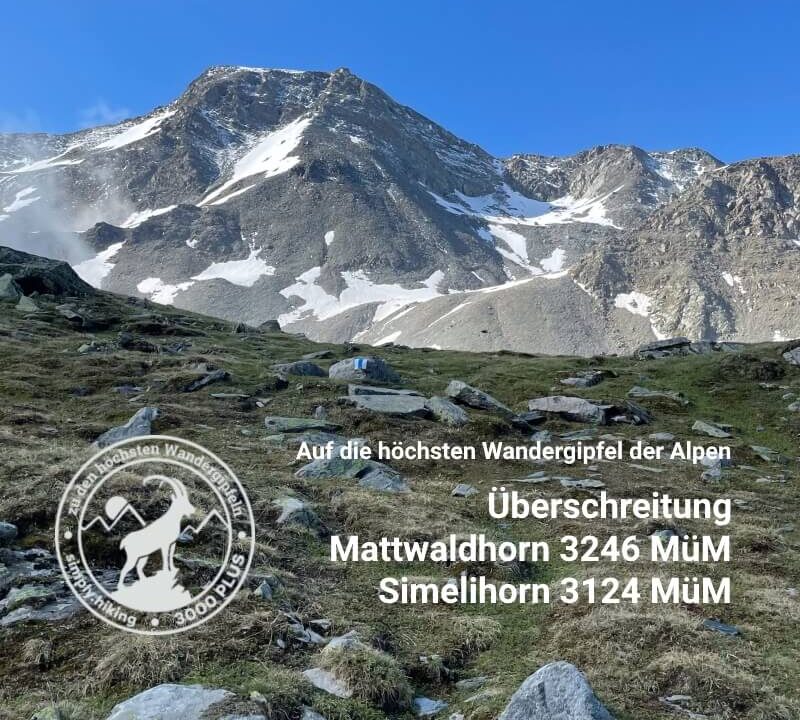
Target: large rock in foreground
[364, 368]
[557, 691]
[33, 273]
[474, 398]
[572, 408]
[175, 702]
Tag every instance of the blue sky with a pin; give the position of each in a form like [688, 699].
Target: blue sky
[551, 77]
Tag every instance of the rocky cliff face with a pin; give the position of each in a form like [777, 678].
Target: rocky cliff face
[314, 198]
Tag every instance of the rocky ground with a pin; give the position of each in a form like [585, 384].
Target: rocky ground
[75, 363]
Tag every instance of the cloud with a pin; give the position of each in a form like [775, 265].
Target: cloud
[101, 113]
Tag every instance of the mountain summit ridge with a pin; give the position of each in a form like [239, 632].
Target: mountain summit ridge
[314, 198]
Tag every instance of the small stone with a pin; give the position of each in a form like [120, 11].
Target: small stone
[212, 377]
[661, 437]
[8, 533]
[447, 412]
[364, 368]
[326, 681]
[137, 426]
[426, 707]
[264, 591]
[279, 424]
[472, 397]
[582, 484]
[721, 627]
[704, 428]
[768, 454]
[473, 683]
[464, 490]
[300, 367]
[542, 436]
[642, 393]
[572, 408]
[354, 389]
[399, 405]
[9, 290]
[586, 379]
[27, 305]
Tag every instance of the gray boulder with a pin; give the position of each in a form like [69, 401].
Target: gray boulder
[400, 405]
[585, 379]
[369, 473]
[208, 379]
[557, 691]
[27, 305]
[175, 702]
[643, 393]
[447, 412]
[300, 367]
[353, 389]
[468, 395]
[296, 511]
[464, 490]
[792, 356]
[364, 368]
[768, 454]
[279, 424]
[137, 426]
[8, 533]
[9, 290]
[663, 348]
[572, 408]
[705, 428]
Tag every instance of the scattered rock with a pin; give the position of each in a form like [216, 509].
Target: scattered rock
[582, 483]
[768, 454]
[473, 683]
[542, 436]
[300, 367]
[577, 435]
[642, 393]
[8, 533]
[353, 390]
[26, 305]
[327, 682]
[426, 707]
[264, 591]
[171, 702]
[446, 412]
[572, 408]
[464, 490]
[369, 473]
[663, 348]
[585, 379]
[400, 405]
[128, 341]
[472, 397]
[212, 377]
[9, 290]
[364, 368]
[137, 426]
[294, 510]
[721, 627]
[557, 691]
[794, 407]
[270, 326]
[710, 429]
[272, 383]
[278, 424]
[792, 355]
[318, 355]
[661, 436]
[34, 596]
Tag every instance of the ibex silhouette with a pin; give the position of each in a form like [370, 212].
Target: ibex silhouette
[160, 535]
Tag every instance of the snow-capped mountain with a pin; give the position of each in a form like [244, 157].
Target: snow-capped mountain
[314, 198]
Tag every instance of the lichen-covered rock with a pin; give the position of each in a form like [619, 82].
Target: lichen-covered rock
[137, 426]
[363, 368]
[468, 395]
[557, 691]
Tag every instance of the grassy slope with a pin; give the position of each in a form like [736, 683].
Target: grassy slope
[632, 655]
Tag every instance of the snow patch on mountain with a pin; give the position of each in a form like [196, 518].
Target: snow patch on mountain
[634, 302]
[95, 269]
[359, 290]
[330, 236]
[268, 156]
[136, 132]
[47, 163]
[21, 199]
[239, 272]
[138, 217]
[161, 292]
